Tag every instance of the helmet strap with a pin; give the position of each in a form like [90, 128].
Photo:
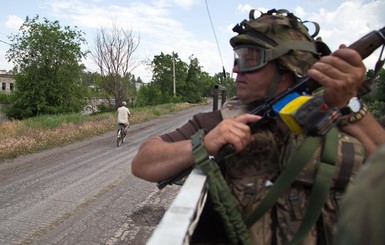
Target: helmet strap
[286, 47]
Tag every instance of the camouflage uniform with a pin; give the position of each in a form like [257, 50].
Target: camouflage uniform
[362, 209]
[251, 173]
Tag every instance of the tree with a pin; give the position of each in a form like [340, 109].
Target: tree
[375, 99]
[113, 54]
[195, 82]
[162, 75]
[227, 82]
[47, 69]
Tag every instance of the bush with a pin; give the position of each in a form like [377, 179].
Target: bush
[5, 98]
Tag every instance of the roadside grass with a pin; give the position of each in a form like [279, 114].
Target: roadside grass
[44, 132]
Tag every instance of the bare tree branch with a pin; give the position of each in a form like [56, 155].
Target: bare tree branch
[113, 54]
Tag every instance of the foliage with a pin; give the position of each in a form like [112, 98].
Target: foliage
[191, 83]
[377, 108]
[162, 67]
[224, 79]
[376, 98]
[149, 94]
[380, 95]
[47, 69]
[5, 98]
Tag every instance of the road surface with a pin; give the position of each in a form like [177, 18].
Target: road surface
[84, 193]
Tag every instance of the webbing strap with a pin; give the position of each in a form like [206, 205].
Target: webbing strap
[283, 48]
[320, 190]
[296, 162]
[220, 194]
[224, 203]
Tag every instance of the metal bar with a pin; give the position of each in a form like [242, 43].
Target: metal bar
[179, 222]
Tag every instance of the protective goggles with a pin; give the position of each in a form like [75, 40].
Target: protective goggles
[249, 58]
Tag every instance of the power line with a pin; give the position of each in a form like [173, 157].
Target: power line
[216, 40]
[4, 42]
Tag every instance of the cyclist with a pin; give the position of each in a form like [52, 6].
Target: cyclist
[123, 115]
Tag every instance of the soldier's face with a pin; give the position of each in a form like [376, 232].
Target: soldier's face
[253, 86]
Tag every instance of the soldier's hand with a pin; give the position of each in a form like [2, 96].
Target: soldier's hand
[341, 74]
[230, 131]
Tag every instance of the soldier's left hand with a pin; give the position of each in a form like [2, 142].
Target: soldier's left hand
[341, 74]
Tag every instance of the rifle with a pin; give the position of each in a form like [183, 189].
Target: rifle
[365, 46]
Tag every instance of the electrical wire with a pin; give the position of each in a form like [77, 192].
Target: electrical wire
[216, 40]
[4, 42]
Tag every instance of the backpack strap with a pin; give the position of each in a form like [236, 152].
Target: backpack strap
[320, 190]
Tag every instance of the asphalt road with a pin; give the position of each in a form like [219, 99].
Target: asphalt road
[84, 193]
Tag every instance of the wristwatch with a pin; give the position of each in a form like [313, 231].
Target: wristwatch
[354, 106]
[354, 112]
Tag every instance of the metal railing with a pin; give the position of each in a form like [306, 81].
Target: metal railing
[181, 218]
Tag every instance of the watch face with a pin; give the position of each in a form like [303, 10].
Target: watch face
[355, 105]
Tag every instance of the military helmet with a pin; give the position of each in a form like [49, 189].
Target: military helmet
[284, 37]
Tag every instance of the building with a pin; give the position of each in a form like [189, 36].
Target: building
[7, 82]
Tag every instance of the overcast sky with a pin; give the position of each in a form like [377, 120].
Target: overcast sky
[184, 27]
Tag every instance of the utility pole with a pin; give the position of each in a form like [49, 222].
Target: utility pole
[173, 73]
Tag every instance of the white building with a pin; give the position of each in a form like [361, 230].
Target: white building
[7, 82]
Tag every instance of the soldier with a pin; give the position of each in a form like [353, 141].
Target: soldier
[271, 53]
[362, 209]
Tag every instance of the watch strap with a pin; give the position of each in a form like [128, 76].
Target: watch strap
[345, 111]
[348, 109]
[354, 117]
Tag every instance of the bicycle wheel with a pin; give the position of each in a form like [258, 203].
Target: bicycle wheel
[124, 138]
[120, 137]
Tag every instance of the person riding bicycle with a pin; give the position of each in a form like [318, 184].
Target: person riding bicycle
[123, 115]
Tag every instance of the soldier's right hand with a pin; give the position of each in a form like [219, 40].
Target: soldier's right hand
[230, 131]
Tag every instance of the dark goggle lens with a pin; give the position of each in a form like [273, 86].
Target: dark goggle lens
[249, 58]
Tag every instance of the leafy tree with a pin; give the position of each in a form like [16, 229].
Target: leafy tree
[150, 94]
[47, 70]
[192, 91]
[375, 99]
[380, 95]
[227, 82]
[162, 69]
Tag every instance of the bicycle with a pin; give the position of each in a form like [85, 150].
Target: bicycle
[121, 135]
